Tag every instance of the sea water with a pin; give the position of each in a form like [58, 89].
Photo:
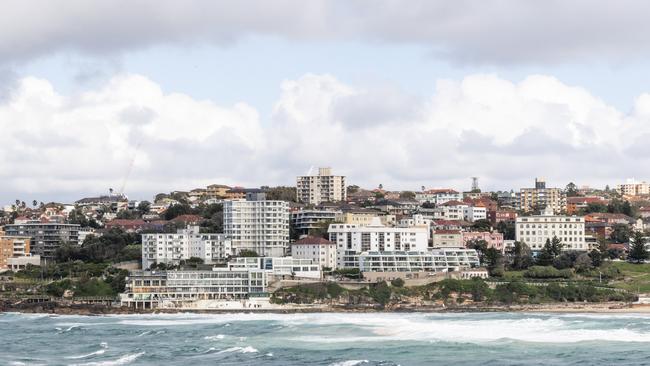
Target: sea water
[326, 339]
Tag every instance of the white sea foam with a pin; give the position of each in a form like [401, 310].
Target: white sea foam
[211, 338]
[247, 349]
[349, 363]
[124, 360]
[96, 353]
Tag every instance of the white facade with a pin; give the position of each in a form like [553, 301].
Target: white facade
[278, 267]
[536, 230]
[182, 245]
[260, 226]
[324, 254]
[324, 187]
[438, 196]
[351, 239]
[450, 211]
[633, 188]
[440, 260]
[473, 213]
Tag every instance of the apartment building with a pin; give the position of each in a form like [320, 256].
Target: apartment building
[13, 247]
[536, 230]
[171, 248]
[540, 197]
[278, 268]
[447, 239]
[353, 239]
[439, 260]
[305, 220]
[178, 289]
[450, 210]
[474, 213]
[633, 188]
[318, 250]
[324, 187]
[46, 237]
[261, 226]
[492, 239]
[438, 196]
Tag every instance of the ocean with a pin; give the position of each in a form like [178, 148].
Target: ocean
[341, 339]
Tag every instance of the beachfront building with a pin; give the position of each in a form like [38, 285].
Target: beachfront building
[278, 268]
[438, 260]
[192, 289]
[172, 248]
[13, 247]
[324, 187]
[45, 237]
[536, 230]
[352, 239]
[319, 250]
[260, 226]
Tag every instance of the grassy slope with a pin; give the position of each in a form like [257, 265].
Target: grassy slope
[637, 277]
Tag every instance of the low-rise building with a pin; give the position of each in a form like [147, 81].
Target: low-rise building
[46, 237]
[279, 268]
[316, 249]
[438, 260]
[183, 289]
[306, 220]
[438, 196]
[492, 239]
[13, 247]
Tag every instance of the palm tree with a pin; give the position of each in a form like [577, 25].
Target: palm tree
[34, 203]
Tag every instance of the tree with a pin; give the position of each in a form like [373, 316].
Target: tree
[583, 263]
[480, 246]
[620, 233]
[177, 210]
[144, 207]
[550, 250]
[482, 225]
[352, 189]
[34, 203]
[571, 190]
[594, 207]
[248, 253]
[495, 262]
[522, 256]
[407, 195]
[618, 205]
[638, 252]
[281, 193]
[507, 228]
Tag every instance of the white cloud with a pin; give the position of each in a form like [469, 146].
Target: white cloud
[56, 145]
[463, 31]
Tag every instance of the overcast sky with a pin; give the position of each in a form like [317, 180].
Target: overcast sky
[155, 96]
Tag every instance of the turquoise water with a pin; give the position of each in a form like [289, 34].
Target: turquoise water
[326, 339]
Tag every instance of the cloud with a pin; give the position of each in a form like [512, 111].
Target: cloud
[463, 31]
[57, 145]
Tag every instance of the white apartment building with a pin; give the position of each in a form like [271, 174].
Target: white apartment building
[451, 210]
[536, 230]
[278, 267]
[318, 250]
[633, 188]
[171, 248]
[473, 213]
[324, 187]
[440, 260]
[353, 239]
[185, 289]
[438, 196]
[260, 226]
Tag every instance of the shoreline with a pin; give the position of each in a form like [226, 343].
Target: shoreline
[559, 308]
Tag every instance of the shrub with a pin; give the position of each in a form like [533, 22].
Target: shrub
[544, 272]
[398, 282]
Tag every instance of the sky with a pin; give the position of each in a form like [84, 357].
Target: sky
[153, 96]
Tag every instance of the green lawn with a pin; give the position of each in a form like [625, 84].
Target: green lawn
[636, 277]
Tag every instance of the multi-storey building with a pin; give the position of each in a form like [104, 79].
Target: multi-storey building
[633, 188]
[450, 210]
[171, 248]
[447, 239]
[536, 230]
[306, 220]
[12, 247]
[259, 226]
[46, 237]
[439, 260]
[319, 250]
[353, 239]
[324, 187]
[438, 196]
[540, 197]
[474, 213]
[177, 289]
